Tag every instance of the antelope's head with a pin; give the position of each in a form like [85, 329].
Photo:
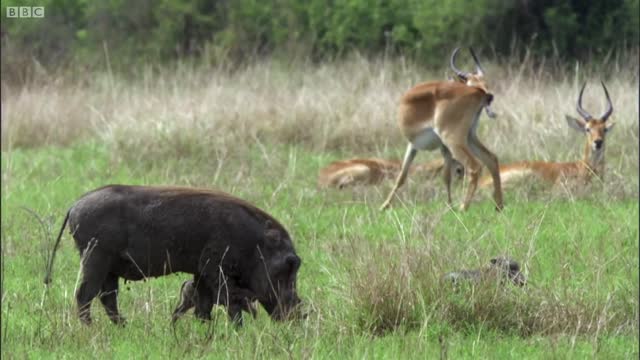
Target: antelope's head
[475, 79]
[595, 128]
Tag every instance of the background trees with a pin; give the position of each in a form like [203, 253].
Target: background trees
[164, 30]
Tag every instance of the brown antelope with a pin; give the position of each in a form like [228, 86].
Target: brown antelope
[592, 164]
[371, 171]
[444, 115]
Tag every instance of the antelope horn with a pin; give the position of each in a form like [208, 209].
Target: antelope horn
[461, 74]
[479, 70]
[609, 110]
[585, 115]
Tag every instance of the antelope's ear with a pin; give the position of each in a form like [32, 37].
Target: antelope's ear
[576, 123]
[609, 126]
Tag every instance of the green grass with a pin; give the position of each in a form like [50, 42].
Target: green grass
[369, 278]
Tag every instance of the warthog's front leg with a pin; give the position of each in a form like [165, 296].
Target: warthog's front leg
[240, 300]
[204, 299]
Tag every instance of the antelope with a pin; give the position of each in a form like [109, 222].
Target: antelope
[372, 171]
[592, 163]
[444, 115]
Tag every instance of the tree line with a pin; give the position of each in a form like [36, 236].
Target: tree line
[161, 31]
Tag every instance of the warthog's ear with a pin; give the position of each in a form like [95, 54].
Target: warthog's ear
[271, 234]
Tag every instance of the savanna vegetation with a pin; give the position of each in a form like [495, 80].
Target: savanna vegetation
[261, 128]
[124, 33]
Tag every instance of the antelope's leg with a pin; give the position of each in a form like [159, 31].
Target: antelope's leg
[409, 155]
[472, 167]
[490, 160]
[448, 163]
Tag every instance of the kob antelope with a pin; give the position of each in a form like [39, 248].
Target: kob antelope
[371, 171]
[444, 115]
[595, 129]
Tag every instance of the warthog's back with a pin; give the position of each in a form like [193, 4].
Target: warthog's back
[146, 203]
[149, 228]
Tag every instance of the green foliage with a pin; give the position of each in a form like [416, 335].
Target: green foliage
[160, 31]
[563, 24]
[51, 38]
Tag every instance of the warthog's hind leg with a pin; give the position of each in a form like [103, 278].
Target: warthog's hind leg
[95, 267]
[109, 299]
[187, 300]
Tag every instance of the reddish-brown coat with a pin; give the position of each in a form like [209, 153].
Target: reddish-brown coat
[446, 106]
[372, 171]
[592, 163]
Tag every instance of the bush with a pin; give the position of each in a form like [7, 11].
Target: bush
[400, 289]
[158, 31]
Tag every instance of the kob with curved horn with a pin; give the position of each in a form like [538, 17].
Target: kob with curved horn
[443, 115]
[592, 164]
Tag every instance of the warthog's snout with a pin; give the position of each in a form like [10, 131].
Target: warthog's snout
[288, 309]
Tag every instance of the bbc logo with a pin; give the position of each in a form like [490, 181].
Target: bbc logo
[25, 11]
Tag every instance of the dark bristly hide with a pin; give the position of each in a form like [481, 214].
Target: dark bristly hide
[230, 246]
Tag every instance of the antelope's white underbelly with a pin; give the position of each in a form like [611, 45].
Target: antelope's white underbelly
[427, 139]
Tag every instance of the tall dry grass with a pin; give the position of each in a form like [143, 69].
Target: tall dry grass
[401, 288]
[349, 104]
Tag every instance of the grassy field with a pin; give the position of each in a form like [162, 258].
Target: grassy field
[369, 279]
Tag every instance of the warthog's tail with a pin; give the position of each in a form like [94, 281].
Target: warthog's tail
[47, 277]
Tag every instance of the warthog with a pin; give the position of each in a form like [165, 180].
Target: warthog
[229, 245]
[502, 268]
[189, 298]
